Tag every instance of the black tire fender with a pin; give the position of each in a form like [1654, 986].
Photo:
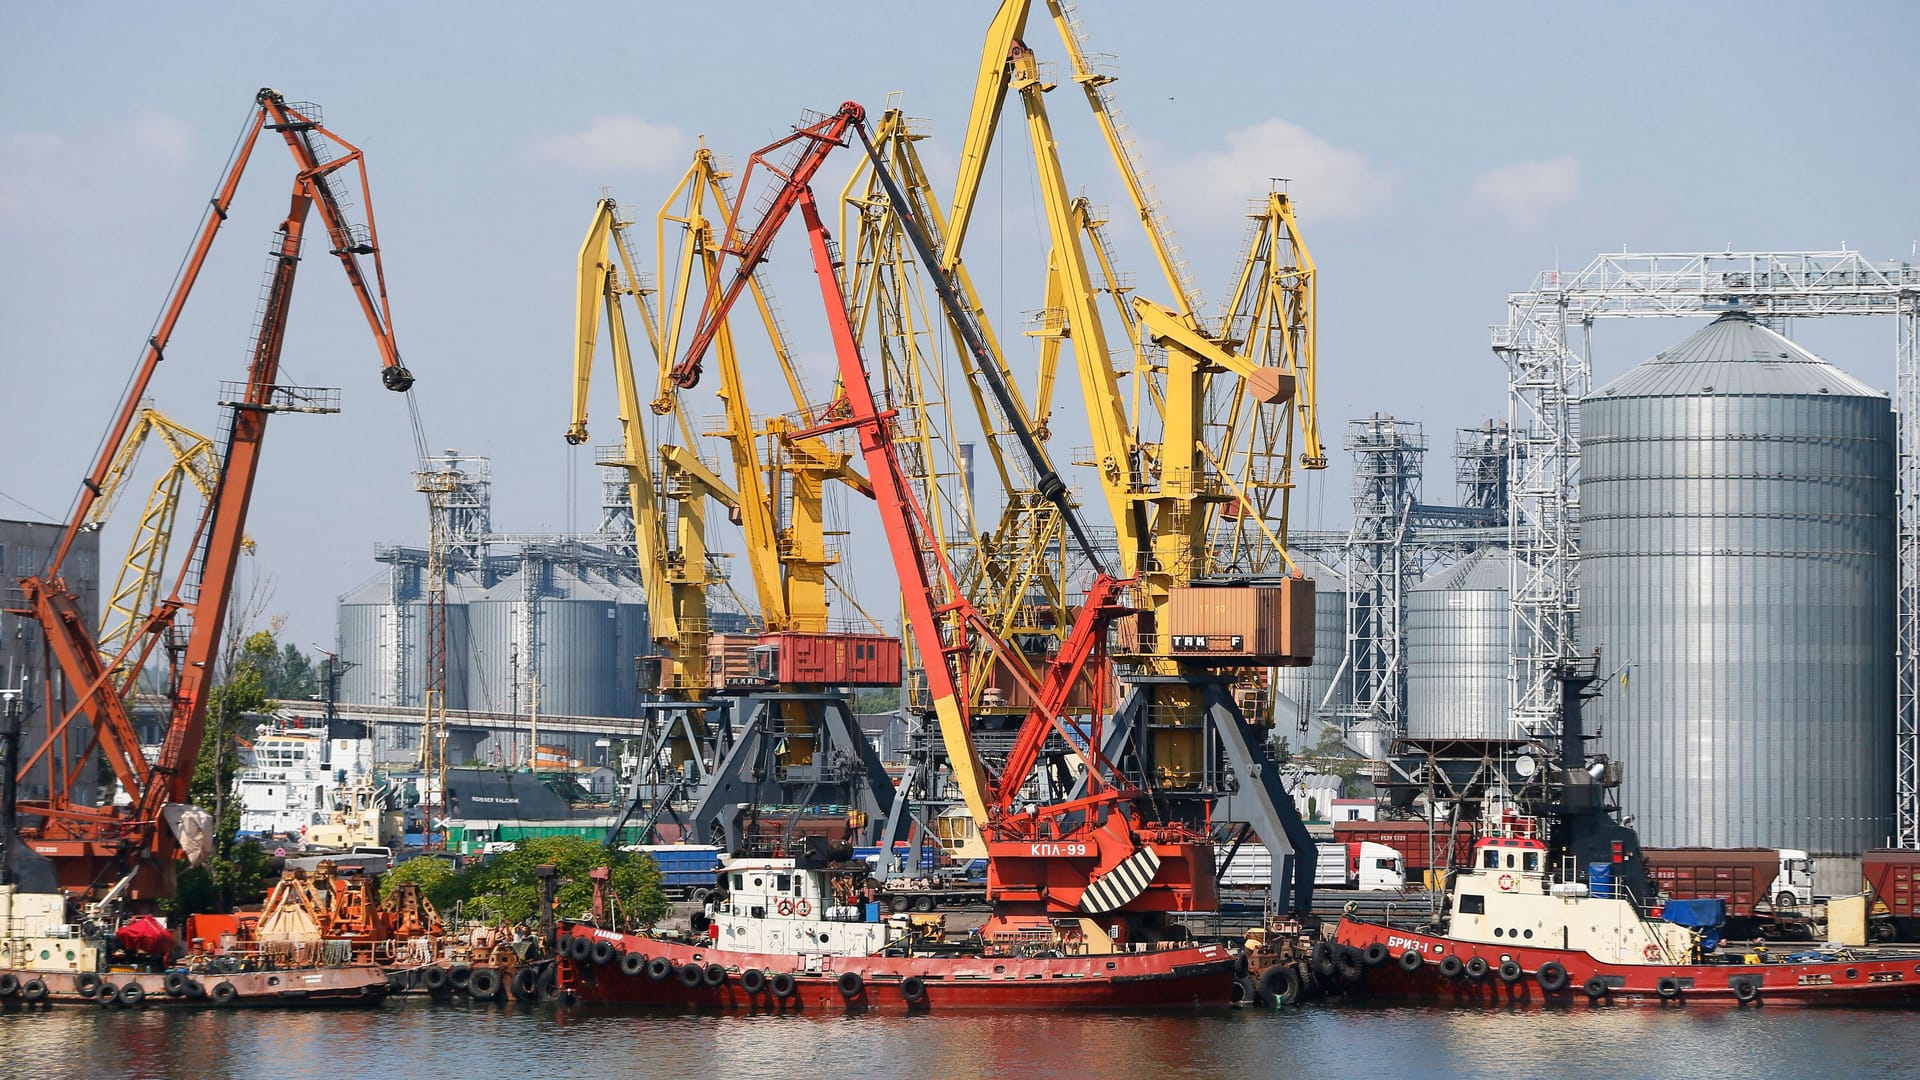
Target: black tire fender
[224, 993]
[434, 978]
[526, 984]
[1411, 961]
[87, 984]
[691, 975]
[108, 995]
[1668, 987]
[1477, 968]
[850, 984]
[133, 995]
[713, 975]
[659, 968]
[632, 964]
[1452, 967]
[753, 980]
[602, 952]
[34, 991]
[1595, 988]
[783, 985]
[1346, 963]
[174, 983]
[1376, 954]
[1323, 958]
[9, 984]
[914, 989]
[459, 975]
[1745, 990]
[1552, 977]
[484, 984]
[1510, 972]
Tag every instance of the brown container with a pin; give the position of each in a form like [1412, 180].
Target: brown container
[829, 659]
[1740, 876]
[1894, 874]
[1411, 840]
[1229, 624]
[730, 659]
[1012, 696]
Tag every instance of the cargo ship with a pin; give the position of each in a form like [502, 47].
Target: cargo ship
[806, 935]
[1556, 905]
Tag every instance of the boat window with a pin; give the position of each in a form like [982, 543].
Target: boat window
[1529, 935]
[783, 883]
[1491, 860]
[1532, 861]
[757, 882]
[739, 882]
[1498, 932]
[1473, 904]
[1509, 860]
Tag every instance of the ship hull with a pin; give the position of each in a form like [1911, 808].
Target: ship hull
[356, 985]
[1182, 978]
[1882, 978]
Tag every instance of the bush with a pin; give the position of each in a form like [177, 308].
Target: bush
[504, 888]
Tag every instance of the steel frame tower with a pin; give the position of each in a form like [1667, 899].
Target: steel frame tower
[1547, 377]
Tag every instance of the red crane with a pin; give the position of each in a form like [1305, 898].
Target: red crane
[1100, 855]
[93, 847]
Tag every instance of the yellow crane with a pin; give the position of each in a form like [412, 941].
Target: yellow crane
[136, 589]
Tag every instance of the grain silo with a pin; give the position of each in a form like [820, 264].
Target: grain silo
[577, 633]
[1457, 650]
[381, 635]
[1298, 691]
[1737, 556]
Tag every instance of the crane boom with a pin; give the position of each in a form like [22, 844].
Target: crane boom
[90, 843]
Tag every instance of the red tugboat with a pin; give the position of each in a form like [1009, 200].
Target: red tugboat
[1555, 908]
[797, 935]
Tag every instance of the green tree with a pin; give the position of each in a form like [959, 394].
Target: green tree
[436, 877]
[504, 888]
[236, 870]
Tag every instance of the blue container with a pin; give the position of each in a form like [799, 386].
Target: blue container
[873, 912]
[1600, 878]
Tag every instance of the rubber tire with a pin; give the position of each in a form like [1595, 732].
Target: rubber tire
[1411, 961]
[602, 952]
[86, 984]
[914, 989]
[526, 984]
[1595, 988]
[133, 995]
[174, 983]
[1668, 988]
[659, 968]
[783, 985]
[579, 948]
[224, 994]
[1243, 991]
[458, 976]
[396, 982]
[1744, 990]
[713, 975]
[1281, 983]
[1786, 900]
[1477, 969]
[691, 976]
[1346, 963]
[752, 981]
[850, 984]
[434, 978]
[195, 991]
[9, 984]
[1323, 959]
[1509, 972]
[924, 904]
[632, 964]
[34, 991]
[484, 984]
[107, 996]
[1376, 954]
[1452, 967]
[899, 905]
[1552, 977]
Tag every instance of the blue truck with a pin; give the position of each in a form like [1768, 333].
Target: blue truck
[687, 871]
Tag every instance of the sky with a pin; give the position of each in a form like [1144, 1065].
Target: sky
[1439, 155]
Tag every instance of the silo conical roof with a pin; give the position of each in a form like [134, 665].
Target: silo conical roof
[1735, 355]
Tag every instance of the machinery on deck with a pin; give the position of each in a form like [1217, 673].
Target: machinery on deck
[130, 849]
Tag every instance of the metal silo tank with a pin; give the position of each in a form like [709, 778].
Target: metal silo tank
[1298, 691]
[1737, 502]
[495, 656]
[1456, 651]
[578, 625]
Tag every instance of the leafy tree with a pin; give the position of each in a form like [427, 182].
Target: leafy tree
[235, 870]
[434, 876]
[504, 887]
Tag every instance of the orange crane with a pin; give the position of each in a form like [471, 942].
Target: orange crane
[94, 848]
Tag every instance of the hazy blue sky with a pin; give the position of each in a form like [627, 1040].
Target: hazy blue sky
[1441, 154]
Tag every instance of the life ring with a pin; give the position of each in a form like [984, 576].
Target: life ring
[1506, 882]
[1652, 953]
[802, 908]
[786, 907]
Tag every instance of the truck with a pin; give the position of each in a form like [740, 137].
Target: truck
[1768, 891]
[1893, 877]
[1421, 849]
[687, 871]
[1361, 865]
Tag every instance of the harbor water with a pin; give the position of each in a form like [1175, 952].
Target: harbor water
[418, 1038]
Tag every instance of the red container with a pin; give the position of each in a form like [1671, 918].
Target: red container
[1740, 876]
[1895, 876]
[829, 659]
[1411, 840]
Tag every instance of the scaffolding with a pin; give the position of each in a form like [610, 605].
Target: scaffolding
[1547, 377]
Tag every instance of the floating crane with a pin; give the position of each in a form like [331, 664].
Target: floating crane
[129, 850]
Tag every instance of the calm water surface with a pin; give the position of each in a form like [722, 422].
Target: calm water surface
[418, 1039]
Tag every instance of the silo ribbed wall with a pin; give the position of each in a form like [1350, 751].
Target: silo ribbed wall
[1457, 651]
[1737, 503]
